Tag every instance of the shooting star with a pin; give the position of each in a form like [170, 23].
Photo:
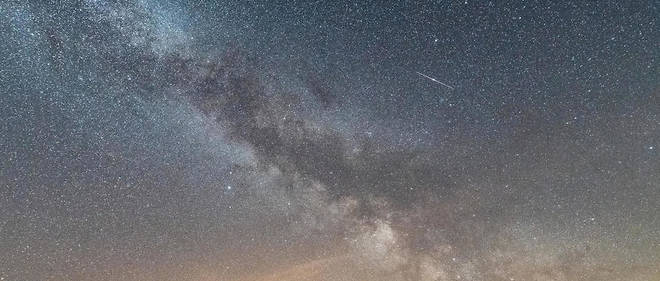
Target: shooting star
[434, 80]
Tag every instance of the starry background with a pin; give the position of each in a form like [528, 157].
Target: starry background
[300, 140]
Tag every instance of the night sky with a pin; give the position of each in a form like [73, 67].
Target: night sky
[329, 141]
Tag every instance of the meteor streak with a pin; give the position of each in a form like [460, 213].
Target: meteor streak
[434, 80]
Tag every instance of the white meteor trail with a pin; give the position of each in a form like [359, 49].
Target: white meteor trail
[434, 80]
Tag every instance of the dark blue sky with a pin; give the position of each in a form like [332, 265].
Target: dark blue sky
[226, 140]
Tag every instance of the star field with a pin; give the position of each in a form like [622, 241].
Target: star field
[329, 140]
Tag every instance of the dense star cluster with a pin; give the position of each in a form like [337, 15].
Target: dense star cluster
[329, 140]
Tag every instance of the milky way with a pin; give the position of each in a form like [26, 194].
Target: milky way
[368, 141]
